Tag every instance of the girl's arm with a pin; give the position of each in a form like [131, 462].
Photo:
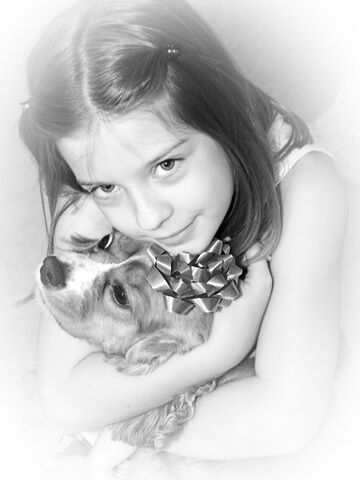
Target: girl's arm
[277, 410]
[280, 408]
[81, 391]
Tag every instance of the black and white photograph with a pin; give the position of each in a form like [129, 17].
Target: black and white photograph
[180, 261]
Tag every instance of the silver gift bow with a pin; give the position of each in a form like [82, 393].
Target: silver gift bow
[207, 281]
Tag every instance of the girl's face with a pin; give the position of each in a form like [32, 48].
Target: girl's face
[172, 186]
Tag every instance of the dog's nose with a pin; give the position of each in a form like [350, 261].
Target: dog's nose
[53, 272]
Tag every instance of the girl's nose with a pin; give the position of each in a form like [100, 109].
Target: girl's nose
[151, 212]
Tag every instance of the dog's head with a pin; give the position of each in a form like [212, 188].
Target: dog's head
[103, 296]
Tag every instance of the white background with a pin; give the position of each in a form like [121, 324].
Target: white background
[301, 52]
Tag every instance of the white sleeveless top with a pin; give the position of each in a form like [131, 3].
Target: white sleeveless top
[279, 135]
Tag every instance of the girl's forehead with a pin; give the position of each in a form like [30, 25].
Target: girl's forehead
[141, 133]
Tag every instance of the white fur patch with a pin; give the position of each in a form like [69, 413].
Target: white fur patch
[84, 272]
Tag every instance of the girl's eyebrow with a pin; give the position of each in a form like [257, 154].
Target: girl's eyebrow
[167, 151]
[150, 162]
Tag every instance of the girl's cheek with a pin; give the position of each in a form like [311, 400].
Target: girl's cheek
[110, 203]
[115, 212]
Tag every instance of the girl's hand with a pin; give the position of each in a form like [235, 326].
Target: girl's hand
[236, 327]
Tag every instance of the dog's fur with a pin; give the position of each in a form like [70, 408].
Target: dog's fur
[137, 334]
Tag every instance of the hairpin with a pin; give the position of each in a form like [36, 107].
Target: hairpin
[25, 104]
[172, 51]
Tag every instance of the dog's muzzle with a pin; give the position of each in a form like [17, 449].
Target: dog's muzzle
[53, 272]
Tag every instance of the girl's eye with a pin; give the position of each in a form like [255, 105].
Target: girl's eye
[108, 188]
[104, 191]
[166, 166]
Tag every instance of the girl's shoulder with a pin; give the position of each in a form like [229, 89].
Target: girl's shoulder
[314, 208]
[313, 199]
[313, 181]
[278, 136]
[312, 151]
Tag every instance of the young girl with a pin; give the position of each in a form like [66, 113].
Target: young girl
[139, 107]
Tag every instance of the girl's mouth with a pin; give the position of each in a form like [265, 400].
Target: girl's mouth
[174, 238]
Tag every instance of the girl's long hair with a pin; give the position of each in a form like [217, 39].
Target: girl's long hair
[100, 60]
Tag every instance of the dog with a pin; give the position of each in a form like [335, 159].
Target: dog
[102, 296]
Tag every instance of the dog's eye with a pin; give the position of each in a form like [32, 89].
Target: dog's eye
[106, 241]
[120, 296]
